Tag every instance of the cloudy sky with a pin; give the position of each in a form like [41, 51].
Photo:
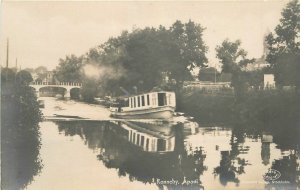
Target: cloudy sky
[41, 32]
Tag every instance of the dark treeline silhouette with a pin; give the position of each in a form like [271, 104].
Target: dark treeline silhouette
[138, 60]
[20, 138]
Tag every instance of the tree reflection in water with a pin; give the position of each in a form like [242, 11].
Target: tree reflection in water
[20, 137]
[289, 168]
[231, 165]
[163, 168]
[20, 160]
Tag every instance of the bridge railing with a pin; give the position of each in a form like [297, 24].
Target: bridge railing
[57, 84]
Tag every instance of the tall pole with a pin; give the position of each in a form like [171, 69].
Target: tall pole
[7, 53]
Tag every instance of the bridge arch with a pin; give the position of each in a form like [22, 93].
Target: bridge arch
[51, 91]
[75, 93]
[63, 85]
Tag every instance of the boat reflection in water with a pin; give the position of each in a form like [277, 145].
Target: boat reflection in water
[150, 137]
[148, 152]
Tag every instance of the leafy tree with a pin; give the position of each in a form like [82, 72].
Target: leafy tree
[69, 69]
[7, 76]
[208, 74]
[20, 140]
[139, 58]
[233, 59]
[284, 44]
[144, 54]
[23, 77]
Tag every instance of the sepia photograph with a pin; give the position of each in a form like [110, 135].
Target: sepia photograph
[151, 95]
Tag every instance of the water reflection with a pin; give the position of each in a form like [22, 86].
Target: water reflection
[172, 157]
[231, 165]
[147, 152]
[289, 169]
[266, 140]
[20, 161]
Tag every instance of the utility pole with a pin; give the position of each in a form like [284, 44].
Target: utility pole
[7, 53]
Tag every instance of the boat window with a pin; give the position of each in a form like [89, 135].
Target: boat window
[131, 102]
[134, 102]
[142, 140]
[143, 100]
[147, 144]
[133, 140]
[138, 139]
[162, 99]
[161, 145]
[148, 99]
[139, 103]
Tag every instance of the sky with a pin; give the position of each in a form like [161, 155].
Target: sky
[42, 32]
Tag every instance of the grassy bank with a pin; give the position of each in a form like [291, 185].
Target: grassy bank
[206, 107]
[264, 109]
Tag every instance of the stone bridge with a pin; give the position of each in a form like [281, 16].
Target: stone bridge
[68, 86]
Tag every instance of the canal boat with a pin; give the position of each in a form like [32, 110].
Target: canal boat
[152, 105]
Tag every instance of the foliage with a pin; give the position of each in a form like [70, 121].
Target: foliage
[233, 59]
[137, 59]
[206, 108]
[19, 130]
[88, 90]
[269, 109]
[69, 69]
[208, 74]
[274, 110]
[41, 72]
[284, 44]
[23, 78]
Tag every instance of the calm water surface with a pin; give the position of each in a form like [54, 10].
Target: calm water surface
[134, 155]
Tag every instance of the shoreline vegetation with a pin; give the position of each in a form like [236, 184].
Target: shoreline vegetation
[20, 136]
[262, 109]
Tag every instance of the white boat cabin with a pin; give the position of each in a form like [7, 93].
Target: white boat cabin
[150, 100]
[149, 141]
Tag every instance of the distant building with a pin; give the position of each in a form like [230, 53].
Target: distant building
[258, 64]
[48, 77]
[269, 81]
[261, 62]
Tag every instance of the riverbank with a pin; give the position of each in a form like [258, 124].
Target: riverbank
[265, 109]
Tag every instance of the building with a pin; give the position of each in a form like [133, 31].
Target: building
[269, 82]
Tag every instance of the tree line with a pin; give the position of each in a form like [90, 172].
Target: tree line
[141, 59]
[20, 136]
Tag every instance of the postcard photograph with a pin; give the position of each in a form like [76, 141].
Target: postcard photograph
[152, 95]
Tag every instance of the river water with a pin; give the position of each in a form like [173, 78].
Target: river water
[119, 155]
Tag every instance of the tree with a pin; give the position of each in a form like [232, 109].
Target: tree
[7, 76]
[23, 77]
[41, 72]
[139, 58]
[208, 74]
[233, 59]
[69, 69]
[20, 137]
[190, 47]
[284, 44]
